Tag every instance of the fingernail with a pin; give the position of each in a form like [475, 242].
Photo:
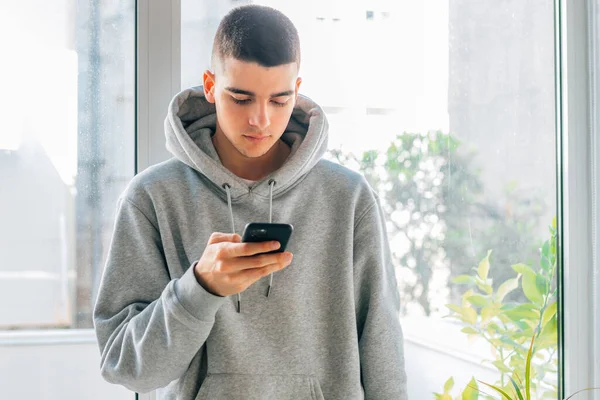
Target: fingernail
[288, 257]
[275, 245]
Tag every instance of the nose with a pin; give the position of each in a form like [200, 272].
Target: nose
[260, 117]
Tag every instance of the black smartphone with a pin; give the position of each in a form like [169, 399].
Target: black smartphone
[264, 232]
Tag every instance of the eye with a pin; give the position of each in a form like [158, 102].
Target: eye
[279, 104]
[242, 101]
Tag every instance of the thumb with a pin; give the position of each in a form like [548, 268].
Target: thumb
[218, 237]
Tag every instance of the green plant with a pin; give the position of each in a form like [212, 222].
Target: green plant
[436, 205]
[510, 327]
[520, 392]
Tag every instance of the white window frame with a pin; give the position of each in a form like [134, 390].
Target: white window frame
[594, 35]
[593, 10]
[158, 79]
[158, 75]
[578, 151]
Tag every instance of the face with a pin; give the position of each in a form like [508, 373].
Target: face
[254, 103]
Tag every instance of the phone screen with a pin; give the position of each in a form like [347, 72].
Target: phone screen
[263, 232]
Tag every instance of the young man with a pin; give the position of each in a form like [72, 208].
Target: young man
[170, 315]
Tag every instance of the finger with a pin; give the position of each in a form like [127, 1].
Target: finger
[250, 249]
[254, 274]
[260, 261]
[218, 237]
[237, 238]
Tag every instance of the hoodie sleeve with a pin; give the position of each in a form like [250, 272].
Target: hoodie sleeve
[381, 343]
[149, 327]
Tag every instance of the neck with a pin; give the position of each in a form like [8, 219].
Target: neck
[245, 167]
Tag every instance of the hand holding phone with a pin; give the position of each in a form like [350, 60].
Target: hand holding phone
[229, 266]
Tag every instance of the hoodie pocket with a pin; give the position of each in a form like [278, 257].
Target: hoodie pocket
[260, 387]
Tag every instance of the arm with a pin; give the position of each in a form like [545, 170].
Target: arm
[149, 328]
[380, 343]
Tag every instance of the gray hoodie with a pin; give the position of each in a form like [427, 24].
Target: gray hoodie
[328, 328]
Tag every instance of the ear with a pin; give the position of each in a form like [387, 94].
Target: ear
[297, 89]
[209, 86]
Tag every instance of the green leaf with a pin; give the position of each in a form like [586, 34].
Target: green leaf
[530, 288]
[548, 256]
[465, 295]
[522, 306]
[497, 389]
[549, 334]
[516, 388]
[543, 284]
[471, 392]
[507, 287]
[521, 268]
[485, 288]
[523, 325]
[469, 330]
[463, 280]
[521, 312]
[448, 385]
[549, 312]
[478, 300]
[484, 267]
[528, 371]
[546, 249]
[487, 313]
[455, 308]
[546, 264]
[469, 315]
[554, 222]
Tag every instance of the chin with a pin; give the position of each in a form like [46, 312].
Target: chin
[255, 150]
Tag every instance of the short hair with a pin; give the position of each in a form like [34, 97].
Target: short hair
[259, 34]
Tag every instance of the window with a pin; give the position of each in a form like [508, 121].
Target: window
[448, 109]
[468, 102]
[66, 153]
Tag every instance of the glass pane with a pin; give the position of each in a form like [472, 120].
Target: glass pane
[66, 153]
[448, 108]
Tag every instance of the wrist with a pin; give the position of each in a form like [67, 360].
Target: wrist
[201, 281]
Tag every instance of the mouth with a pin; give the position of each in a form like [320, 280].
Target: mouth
[256, 139]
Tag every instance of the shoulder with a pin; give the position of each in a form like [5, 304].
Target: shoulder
[340, 174]
[156, 181]
[346, 183]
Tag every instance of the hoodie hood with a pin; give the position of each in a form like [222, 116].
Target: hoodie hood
[191, 120]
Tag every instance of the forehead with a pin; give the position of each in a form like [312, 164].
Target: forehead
[255, 78]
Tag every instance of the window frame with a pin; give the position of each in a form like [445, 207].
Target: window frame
[594, 75]
[158, 75]
[158, 79]
[577, 155]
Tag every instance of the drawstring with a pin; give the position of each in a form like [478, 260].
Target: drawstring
[272, 183]
[227, 188]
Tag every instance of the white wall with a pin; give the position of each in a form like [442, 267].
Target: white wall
[54, 365]
[436, 350]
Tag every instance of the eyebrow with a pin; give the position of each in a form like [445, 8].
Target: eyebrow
[247, 93]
